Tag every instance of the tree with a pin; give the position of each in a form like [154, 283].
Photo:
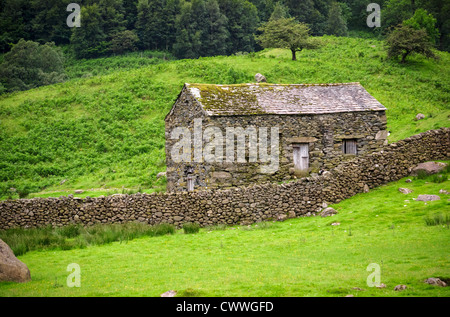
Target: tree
[404, 40]
[29, 65]
[422, 20]
[190, 27]
[216, 35]
[242, 23]
[285, 33]
[90, 40]
[124, 42]
[150, 23]
[336, 24]
[280, 11]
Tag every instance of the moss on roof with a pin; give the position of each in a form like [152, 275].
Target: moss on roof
[265, 98]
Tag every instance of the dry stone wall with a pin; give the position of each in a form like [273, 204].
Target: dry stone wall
[240, 205]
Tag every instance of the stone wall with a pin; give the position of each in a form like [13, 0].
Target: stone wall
[324, 133]
[240, 205]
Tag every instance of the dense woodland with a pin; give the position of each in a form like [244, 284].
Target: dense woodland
[194, 28]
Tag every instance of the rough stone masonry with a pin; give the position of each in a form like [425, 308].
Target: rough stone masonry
[239, 205]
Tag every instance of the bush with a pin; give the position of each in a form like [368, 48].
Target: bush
[124, 41]
[76, 236]
[191, 227]
[437, 219]
[29, 65]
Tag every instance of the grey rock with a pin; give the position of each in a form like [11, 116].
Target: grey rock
[170, 293]
[435, 281]
[160, 174]
[420, 116]
[408, 180]
[11, 268]
[281, 217]
[328, 212]
[366, 188]
[428, 168]
[443, 191]
[400, 287]
[260, 78]
[405, 190]
[79, 191]
[428, 197]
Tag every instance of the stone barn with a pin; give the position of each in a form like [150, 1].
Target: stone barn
[220, 136]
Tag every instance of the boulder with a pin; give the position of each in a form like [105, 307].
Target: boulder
[420, 116]
[170, 293]
[160, 174]
[281, 217]
[328, 212]
[435, 281]
[400, 287]
[260, 78]
[405, 190]
[11, 268]
[428, 168]
[428, 197]
[79, 191]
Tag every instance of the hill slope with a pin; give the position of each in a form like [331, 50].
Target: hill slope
[107, 131]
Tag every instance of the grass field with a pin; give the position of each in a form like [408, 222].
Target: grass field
[103, 130]
[298, 257]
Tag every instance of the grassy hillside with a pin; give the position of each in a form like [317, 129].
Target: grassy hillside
[299, 257]
[104, 129]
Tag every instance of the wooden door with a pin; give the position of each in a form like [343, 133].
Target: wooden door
[301, 156]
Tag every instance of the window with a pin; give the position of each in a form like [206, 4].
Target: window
[301, 156]
[349, 146]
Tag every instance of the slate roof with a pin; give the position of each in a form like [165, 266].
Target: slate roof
[263, 98]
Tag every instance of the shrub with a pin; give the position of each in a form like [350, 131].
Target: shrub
[124, 41]
[29, 65]
[437, 219]
[191, 227]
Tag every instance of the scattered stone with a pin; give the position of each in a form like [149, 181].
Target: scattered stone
[328, 212]
[11, 268]
[428, 197]
[408, 180]
[79, 191]
[358, 289]
[443, 191]
[336, 224]
[160, 174]
[349, 295]
[400, 287]
[405, 190]
[436, 281]
[63, 181]
[260, 78]
[382, 285]
[428, 168]
[420, 116]
[281, 217]
[366, 188]
[170, 293]
[291, 214]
